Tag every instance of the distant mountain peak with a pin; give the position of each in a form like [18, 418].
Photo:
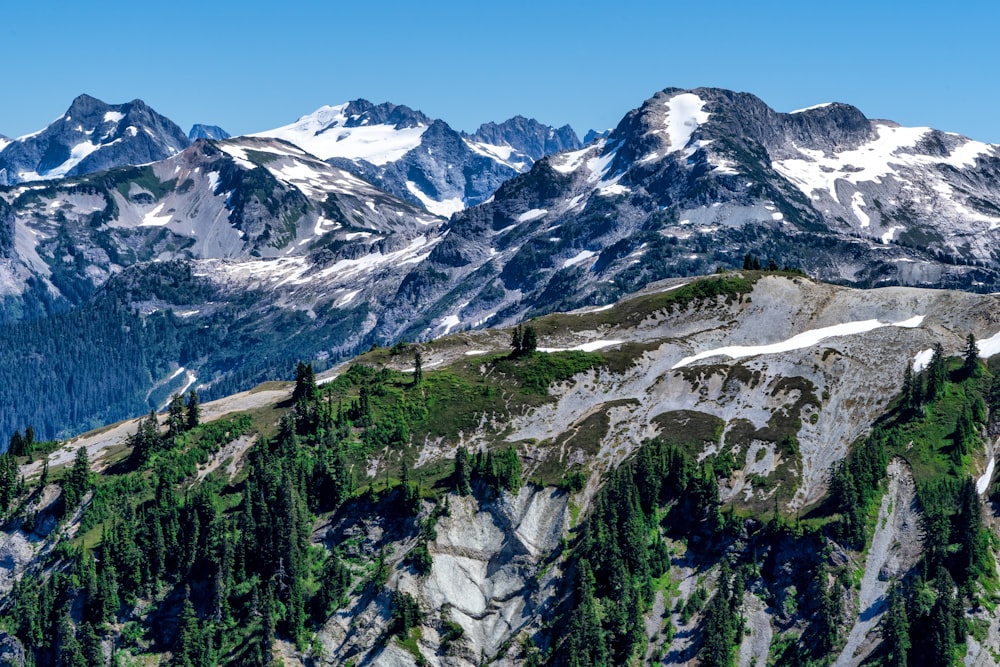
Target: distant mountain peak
[91, 136]
[199, 131]
[528, 136]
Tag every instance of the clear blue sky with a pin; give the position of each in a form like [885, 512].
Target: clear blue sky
[250, 66]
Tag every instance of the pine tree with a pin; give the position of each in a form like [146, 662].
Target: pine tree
[529, 340]
[193, 410]
[516, 340]
[305, 383]
[418, 369]
[176, 418]
[461, 475]
[937, 373]
[77, 483]
[970, 365]
[896, 631]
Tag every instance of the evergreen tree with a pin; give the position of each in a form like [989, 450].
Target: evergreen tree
[176, 417]
[896, 632]
[516, 341]
[418, 369]
[77, 482]
[937, 373]
[305, 383]
[16, 446]
[461, 475]
[529, 340]
[970, 364]
[193, 410]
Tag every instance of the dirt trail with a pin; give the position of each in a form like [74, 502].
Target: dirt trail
[895, 548]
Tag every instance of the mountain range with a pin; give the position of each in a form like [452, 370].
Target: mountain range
[720, 386]
[323, 223]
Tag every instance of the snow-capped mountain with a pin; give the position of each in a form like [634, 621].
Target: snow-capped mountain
[4, 142]
[694, 180]
[242, 200]
[420, 159]
[689, 182]
[527, 136]
[91, 136]
[199, 131]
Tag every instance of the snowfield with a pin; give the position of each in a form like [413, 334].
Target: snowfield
[802, 340]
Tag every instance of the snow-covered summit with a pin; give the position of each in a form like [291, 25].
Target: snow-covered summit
[91, 136]
[420, 159]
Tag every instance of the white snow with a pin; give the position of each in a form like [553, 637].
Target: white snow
[869, 162]
[989, 347]
[154, 219]
[685, 114]
[815, 106]
[799, 341]
[922, 359]
[966, 154]
[613, 190]
[983, 482]
[857, 201]
[567, 163]
[325, 135]
[501, 154]
[592, 346]
[347, 298]
[113, 117]
[213, 180]
[443, 208]
[891, 233]
[533, 214]
[449, 323]
[4, 142]
[473, 353]
[77, 154]
[582, 256]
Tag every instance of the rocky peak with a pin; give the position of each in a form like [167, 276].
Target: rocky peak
[199, 131]
[528, 136]
[362, 112]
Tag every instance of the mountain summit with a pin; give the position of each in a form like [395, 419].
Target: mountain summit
[420, 159]
[91, 136]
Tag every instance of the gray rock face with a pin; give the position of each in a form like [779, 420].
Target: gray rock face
[92, 136]
[528, 136]
[11, 651]
[199, 131]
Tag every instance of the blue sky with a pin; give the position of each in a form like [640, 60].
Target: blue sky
[250, 66]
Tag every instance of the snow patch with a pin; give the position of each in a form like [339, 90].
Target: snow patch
[891, 233]
[154, 219]
[797, 342]
[815, 106]
[857, 201]
[922, 359]
[582, 256]
[443, 208]
[592, 346]
[983, 482]
[113, 116]
[685, 114]
[989, 347]
[533, 214]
